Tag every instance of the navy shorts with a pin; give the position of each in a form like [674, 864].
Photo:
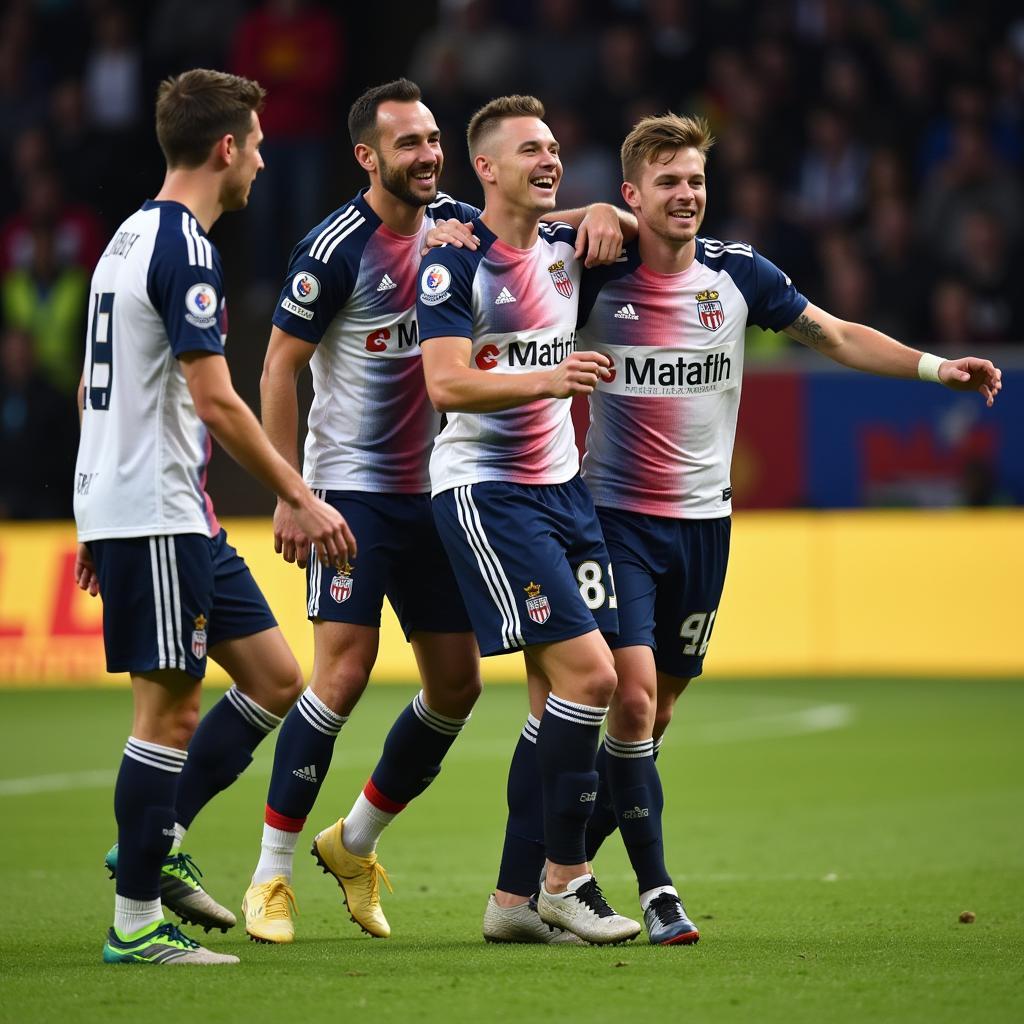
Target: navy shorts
[167, 600]
[530, 560]
[669, 575]
[400, 556]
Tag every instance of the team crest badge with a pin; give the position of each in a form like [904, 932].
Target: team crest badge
[561, 280]
[341, 585]
[712, 316]
[199, 636]
[537, 605]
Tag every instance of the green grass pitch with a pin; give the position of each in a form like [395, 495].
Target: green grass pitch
[825, 836]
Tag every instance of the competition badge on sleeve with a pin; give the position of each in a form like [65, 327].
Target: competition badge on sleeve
[561, 279]
[712, 316]
[199, 636]
[537, 605]
[341, 585]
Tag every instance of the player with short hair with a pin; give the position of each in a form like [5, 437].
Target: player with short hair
[496, 329]
[155, 388]
[671, 319]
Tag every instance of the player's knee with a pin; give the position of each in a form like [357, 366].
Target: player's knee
[180, 724]
[662, 717]
[634, 711]
[597, 687]
[458, 694]
[340, 686]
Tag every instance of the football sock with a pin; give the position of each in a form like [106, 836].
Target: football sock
[409, 763]
[305, 747]
[131, 916]
[522, 857]
[144, 809]
[658, 890]
[602, 822]
[636, 792]
[567, 743]
[221, 750]
[277, 853]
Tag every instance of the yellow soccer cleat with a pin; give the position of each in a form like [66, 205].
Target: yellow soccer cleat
[268, 911]
[359, 878]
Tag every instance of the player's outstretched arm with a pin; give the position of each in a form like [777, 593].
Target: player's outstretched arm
[601, 230]
[287, 356]
[236, 428]
[456, 386]
[863, 348]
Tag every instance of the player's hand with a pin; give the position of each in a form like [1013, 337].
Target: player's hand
[971, 374]
[326, 529]
[289, 541]
[578, 374]
[599, 237]
[450, 232]
[85, 572]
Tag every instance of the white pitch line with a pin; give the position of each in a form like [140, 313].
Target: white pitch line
[783, 724]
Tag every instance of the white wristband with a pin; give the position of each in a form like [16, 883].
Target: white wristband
[928, 367]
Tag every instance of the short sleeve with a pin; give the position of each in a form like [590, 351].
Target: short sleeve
[313, 293]
[186, 287]
[777, 303]
[444, 307]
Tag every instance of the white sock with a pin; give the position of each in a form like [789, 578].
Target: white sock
[131, 916]
[277, 853]
[179, 838]
[646, 897]
[363, 827]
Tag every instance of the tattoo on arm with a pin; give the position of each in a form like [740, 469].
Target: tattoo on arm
[809, 329]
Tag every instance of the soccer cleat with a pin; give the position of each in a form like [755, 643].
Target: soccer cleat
[162, 943]
[359, 878]
[268, 911]
[667, 923]
[582, 909]
[182, 894]
[523, 924]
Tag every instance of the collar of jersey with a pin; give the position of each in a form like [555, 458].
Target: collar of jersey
[491, 244]
[159, 204]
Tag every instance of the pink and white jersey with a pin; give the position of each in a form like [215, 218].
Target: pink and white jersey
[662, 430]
[518, 307]
[351, 291]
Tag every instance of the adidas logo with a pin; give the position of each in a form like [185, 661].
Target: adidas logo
[627, 313]
[504, 296]
[307, 774]
[386, 284]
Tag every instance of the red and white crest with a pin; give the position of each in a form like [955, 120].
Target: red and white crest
[199, 637]
[537, 605]
[561, 279]
[712, 316]
[341, 587]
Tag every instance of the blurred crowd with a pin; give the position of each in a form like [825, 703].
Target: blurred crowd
[872, 148]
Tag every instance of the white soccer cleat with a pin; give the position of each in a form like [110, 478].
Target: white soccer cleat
[583, 910]
[523, 924]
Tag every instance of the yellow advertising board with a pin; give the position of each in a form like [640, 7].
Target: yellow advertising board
[931, 593]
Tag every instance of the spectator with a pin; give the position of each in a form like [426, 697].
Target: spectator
[832, 172]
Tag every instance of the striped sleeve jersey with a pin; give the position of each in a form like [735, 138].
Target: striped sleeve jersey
[157, 293]
[351, 292]
[518, 307]
[662, 430]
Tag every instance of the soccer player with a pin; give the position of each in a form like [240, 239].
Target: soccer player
[671, 319]
[348, 310]
[155, 387]
[496, 330]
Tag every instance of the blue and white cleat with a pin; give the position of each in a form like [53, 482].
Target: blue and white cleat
[667, 923]
[182, 894]
[161, 943]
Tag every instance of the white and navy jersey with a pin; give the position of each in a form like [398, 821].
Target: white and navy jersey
[518, 307]
[157, 293]
[351, 291]
[662, 430]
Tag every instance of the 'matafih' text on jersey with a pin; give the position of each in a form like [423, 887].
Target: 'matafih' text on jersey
[662, 430]
[518, 307]
[157, 294]
[351, 291]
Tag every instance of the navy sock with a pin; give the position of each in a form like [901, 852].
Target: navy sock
[602, 822]
[412, 755]
[302, 758]
[636, 792]
[566, 748]
[522, 856]
[144, 808]
[221, 750]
